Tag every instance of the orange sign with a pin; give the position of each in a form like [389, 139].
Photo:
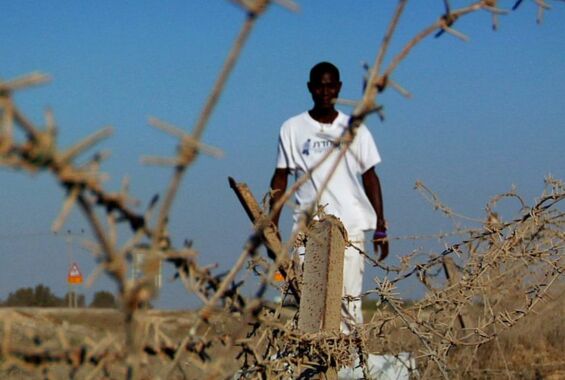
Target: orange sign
[278, 276]
[74, 276]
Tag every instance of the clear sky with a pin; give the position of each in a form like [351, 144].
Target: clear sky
[485, 115]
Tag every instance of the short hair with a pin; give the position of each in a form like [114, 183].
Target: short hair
[323, 67]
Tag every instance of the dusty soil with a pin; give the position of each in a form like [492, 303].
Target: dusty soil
[36, 342]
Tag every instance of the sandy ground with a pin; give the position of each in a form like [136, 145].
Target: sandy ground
[34, 343]
[36, 339]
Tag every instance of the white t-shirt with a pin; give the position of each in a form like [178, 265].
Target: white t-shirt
[303, 141]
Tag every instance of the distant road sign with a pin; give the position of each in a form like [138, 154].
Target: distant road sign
[74, 276]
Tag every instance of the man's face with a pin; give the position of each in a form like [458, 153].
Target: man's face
[324, 89]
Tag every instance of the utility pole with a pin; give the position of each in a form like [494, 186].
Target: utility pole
[74, 277]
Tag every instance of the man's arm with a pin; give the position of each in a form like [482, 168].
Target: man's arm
[278, 187]
[372, 187]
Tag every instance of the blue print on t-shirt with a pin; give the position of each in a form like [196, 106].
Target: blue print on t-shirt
[306, 148]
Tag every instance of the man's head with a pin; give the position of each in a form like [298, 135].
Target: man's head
[321, 68]
[324, 85]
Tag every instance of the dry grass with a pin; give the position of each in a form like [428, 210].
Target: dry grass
[533, 349]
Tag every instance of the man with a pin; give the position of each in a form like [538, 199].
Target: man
[353, 194]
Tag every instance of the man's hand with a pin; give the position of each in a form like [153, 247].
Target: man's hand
[380, 243]
[372, 187]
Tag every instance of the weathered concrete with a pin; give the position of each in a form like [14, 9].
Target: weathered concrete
[322, 284]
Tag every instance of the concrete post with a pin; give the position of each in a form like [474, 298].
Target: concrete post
[322, 282]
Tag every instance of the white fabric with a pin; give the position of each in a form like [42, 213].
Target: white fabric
[401, 366]
[303, 142]
[383, 367]
[353, 268]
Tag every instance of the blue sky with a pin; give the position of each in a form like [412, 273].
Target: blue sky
[485, 115]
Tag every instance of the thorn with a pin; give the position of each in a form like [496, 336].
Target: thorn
[455, 33]
[33, 79]
[446, 21]
[494, 22]
[67, 206]
[253, 7]
[150, 207]
[83, 145]
[51, 126]
[400, 89]
[94, 275]
[491, 6]
[93, 164]
[187, 141]
[378, 110]
[447, 6]
[288, 4]
[153, 201]
[159, 161]
[209, 150]
[517, 4]
[542, 4]
[166, 127]
[98, 157]
[539, 18]
[495, 10]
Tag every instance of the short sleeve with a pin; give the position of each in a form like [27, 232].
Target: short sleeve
[368, 153]
[285, 158]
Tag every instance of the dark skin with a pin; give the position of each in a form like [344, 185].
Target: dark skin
[324, 90]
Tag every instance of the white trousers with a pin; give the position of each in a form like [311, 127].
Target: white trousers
[353, 268]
